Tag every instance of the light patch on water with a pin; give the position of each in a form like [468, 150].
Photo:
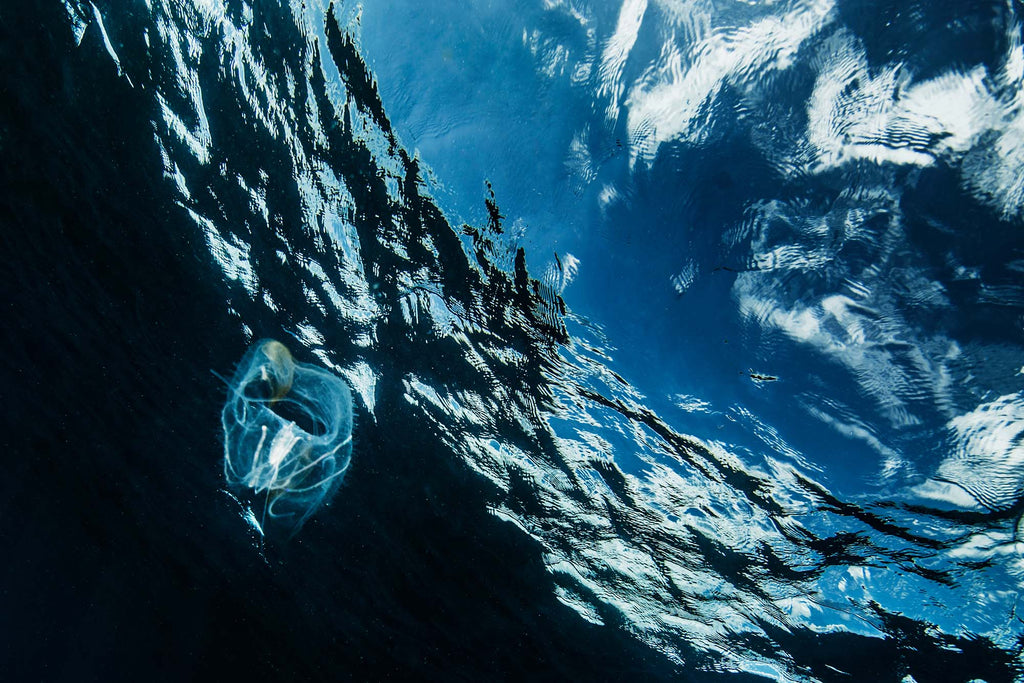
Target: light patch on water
[667, 104]
[551, 58]
[606, 197]
[309, 336]
[616, 51]
[79, 22]
[883, 116]
[362, 379]
[578, 604]
[231, 254]
[683, 280]
[692, 404]
[988, 458]
[107, 44]
[579, 162]
[185, 93]
[257, 198]
[856, 430]
[971, 118]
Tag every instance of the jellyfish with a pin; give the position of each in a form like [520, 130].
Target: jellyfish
[287, 434]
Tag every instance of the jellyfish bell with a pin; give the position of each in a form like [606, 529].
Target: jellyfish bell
[287, 434]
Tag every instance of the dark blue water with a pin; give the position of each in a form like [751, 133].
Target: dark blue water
[684, 340]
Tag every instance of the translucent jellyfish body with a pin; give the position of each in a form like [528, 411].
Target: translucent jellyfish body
[287, 434]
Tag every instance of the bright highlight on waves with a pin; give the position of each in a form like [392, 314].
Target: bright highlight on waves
[287, 434]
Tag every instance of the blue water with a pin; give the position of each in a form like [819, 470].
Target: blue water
[685, 339]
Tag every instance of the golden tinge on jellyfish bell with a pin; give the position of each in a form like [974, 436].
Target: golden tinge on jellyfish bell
[280, 371]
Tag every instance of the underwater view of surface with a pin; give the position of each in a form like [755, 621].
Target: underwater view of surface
[527, 340]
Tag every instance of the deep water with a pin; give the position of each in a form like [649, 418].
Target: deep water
[671, 454]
